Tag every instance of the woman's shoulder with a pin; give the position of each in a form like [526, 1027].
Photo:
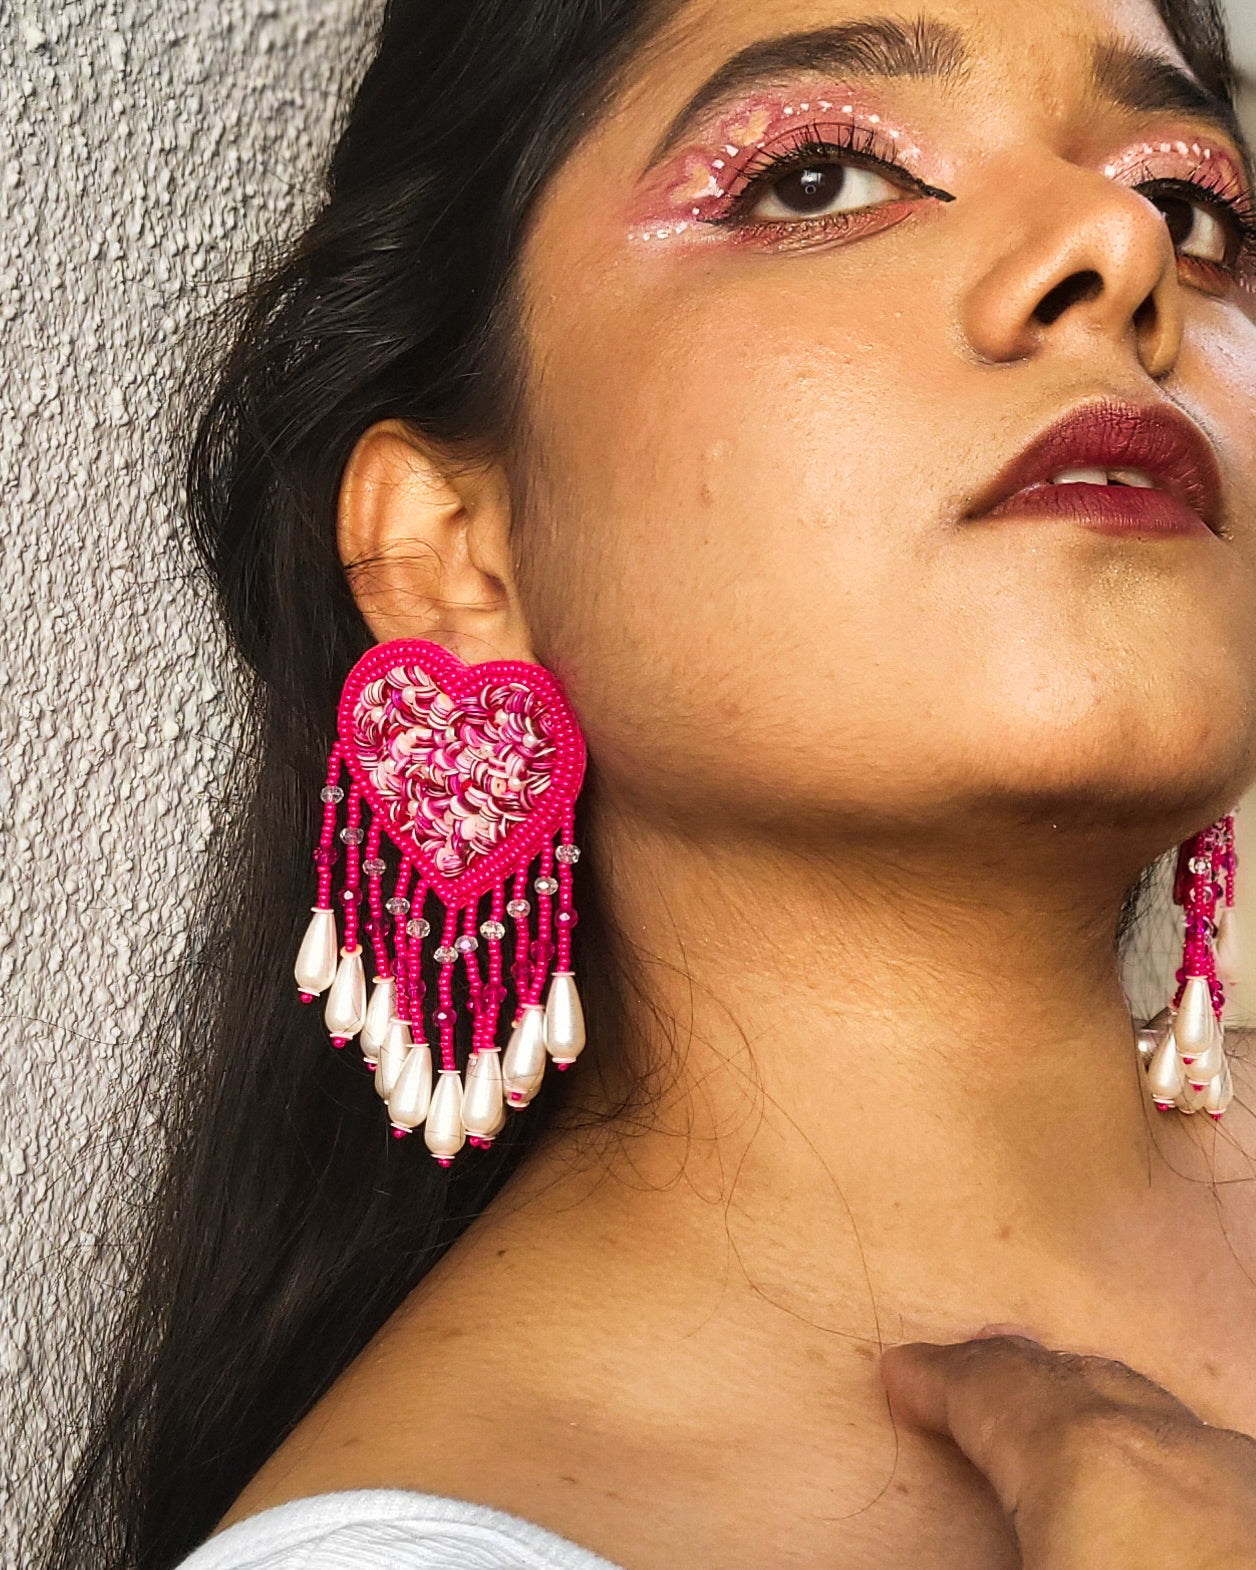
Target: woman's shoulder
[387, 1529]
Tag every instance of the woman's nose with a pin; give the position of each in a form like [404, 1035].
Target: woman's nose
[1081, 265]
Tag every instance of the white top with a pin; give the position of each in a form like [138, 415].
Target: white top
[387, 1529]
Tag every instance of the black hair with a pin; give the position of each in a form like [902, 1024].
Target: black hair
[282, 1225]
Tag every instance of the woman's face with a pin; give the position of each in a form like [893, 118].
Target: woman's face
[781, 348]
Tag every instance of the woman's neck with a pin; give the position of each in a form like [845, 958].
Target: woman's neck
[930, 1060]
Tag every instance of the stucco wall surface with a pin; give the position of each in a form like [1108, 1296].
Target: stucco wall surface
[147, 146]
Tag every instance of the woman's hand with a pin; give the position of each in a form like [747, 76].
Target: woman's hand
[1097, 1467]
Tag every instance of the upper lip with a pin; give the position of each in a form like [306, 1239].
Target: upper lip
[1166, 446]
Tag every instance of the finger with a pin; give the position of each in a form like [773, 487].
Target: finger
[1003, 1398]
[1107, 1376]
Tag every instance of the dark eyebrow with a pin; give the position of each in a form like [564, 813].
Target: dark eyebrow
[873, 46]
[1133, 79]
[1148, 84]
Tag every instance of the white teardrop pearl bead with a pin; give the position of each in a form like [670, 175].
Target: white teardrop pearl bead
[564, 1019]
[523, 1065]
[345, 1013]
[482, 1109]
[1229, 960]
[315, 968]
[1220, 1093]
[379, 1015]
[1207, 1064]
[1196, 1024]
[391, 1056]
[411, 1095]
[443, 1131]
[1164, 1074]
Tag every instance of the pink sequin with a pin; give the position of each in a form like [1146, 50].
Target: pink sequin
[455, 772]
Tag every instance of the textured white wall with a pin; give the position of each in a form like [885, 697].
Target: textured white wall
[146, 148]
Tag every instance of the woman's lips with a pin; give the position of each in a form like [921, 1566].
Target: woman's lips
[1167, 479]
[1110, 509]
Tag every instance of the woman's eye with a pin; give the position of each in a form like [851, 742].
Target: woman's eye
[819, 190]
[1197, 230]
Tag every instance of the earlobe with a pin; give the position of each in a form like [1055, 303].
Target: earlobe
[425, 546]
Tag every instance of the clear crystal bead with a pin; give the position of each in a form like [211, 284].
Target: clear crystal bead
[351, 835]
[518, 907]
[570, 854]
[492, 929]
[546, 885]
[332, 793]
[1199, 864]
[374, 867]
[418, 928]
[397, 906]
[467, 943]
[446, 955]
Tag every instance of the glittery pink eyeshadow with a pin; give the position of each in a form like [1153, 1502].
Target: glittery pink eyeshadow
[695, 184]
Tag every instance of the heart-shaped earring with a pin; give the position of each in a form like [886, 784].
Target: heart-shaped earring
[472, 772]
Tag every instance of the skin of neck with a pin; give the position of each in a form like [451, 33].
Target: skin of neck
[898, 1076]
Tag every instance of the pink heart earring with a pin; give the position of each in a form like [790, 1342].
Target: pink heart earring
[472, 772]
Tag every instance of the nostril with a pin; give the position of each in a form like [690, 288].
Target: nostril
[1073, 291]
[1145, 315]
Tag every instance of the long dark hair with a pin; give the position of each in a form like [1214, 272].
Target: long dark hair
[283, 1226]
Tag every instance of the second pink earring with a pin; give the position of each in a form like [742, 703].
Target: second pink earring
[471, 772]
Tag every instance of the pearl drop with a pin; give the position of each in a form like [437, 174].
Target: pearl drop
[345, 1013]
[1196, 1024]
[315, 968]
[379, 1013]
[1229, 958]
[482, 1107]
[443, 1131]
[411, 1096]
[1207, 1064]
[523, 1064]
[564, 1019]
[1220, 1093]
[391, 1055]
[1164, 1073]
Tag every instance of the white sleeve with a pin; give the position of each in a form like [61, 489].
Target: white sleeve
[387, 1529]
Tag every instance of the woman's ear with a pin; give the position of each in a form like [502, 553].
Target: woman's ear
[425, 545]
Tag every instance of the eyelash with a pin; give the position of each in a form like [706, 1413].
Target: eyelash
[804, 147]
[1229, 201]
[856, 144]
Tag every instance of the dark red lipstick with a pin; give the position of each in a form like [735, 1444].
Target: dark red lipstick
[1162, 475]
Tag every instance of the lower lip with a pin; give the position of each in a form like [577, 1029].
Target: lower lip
[1108, 509]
